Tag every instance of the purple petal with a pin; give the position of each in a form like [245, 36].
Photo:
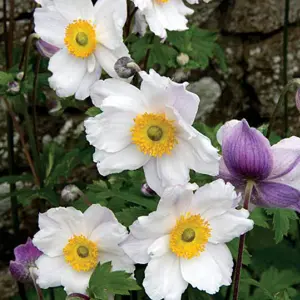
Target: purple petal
[247, 153]
[46, 49]
[19, 271]
[27, 253]
[277, 195]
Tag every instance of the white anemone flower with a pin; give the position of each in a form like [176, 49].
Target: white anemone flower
[183, 241]
[90, 38]
[149, 128]
[74, 242]
[165, 14]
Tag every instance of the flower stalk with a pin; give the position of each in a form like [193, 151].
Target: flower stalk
[239, 262]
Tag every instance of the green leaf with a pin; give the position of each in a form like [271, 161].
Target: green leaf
[128, 215]
[104, 282]
[16, 178]
[281, 221]
[25, 197]
[93, 111]
[234, 246]
[5, 78]
[259, 217]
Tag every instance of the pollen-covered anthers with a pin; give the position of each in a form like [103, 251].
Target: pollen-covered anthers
[154, 134]
[189, 236]
[81, 253]
[80, 38]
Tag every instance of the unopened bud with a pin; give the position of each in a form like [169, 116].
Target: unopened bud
[77, 296]
[147, 191]
[20, 76]
[297, 98]
[13, 87]
[46, 49]
[55, 107]
[71, 193]
[126, 67]
[182, 59]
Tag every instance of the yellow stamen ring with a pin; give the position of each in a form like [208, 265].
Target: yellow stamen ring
[80, 38]
[81, 253]
[154, 134]
[189, 236]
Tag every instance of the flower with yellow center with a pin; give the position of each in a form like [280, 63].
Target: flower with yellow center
[183, 241]
[150, 127]
[74, 243]
[88, 39]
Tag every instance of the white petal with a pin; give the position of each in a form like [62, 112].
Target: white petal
[225, 130]
[96, 215]
[214, 199]
[120, 261]
[68, 72]
[110, 20]
[142, 4]
[129, 158]
[50, 270]
[159, 247]
[50, 26]
[154, 23]
[108, 235]
[88, 80]
[137, 249]
[229, 225]
[121, 95]
[107, 58]
[151, 175]
[202, 272]
[75, 282]
[140, 24]
[75, 9]
[57, 225]
[91, 63]
[110, 131]
[163, 278]
[208, 272]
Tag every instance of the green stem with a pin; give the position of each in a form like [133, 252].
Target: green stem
[285, 62]
[239, 262]
[295, 81]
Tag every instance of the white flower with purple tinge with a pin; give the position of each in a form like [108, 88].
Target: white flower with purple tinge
[184, 240]
[25, 257]
[275, 170]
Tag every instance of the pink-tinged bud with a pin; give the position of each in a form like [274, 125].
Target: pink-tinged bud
[25, 257]
[147, 191]
[46, 49]
[297, 98]
[77, 296]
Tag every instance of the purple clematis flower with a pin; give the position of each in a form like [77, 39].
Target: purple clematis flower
[46, 49]
[25, 257]
[275, 170]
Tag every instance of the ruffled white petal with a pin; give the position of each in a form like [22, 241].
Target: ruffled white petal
[214, 199]
[50, 26]
[57, 225]
[110, 20]
[129, 158]
[107, 58]
[206, 273]
[50, 270]
[68, 73]
[151, 175]
[163, 278]
[110, 131]
[114, 94]
[229, 225]
[73, 10]
[160, 247]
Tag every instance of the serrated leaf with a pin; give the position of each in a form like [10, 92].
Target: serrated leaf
[26, 196]
[104, 282]
[93, 111]
[128, 215]
[259, 217]
[281, 221]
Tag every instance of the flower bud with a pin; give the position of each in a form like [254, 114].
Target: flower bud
[126, 67]
[182, 59]
[77, 296]
[46, 49]
[20, 76]
[71, 193]
[13, 87]
[147, 191]
[297, 98]
[25, 257]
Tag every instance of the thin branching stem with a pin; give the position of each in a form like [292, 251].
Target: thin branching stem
[239, 262]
